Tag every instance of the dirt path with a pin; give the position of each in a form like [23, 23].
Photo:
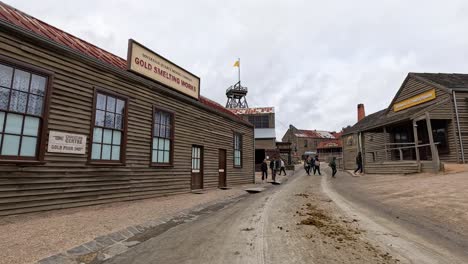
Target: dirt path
[411, 242]
[291, 223]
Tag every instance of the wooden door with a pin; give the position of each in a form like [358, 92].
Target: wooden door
[222, 168]
[197, 167]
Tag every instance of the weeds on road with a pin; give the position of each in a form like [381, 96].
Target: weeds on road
[343, 233]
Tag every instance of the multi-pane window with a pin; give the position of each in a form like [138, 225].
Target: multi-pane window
[259, 121]
[162, 137]
[237, 150]
[196, 158]
[22, 99]
[109, 124]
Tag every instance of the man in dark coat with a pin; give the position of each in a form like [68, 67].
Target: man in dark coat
[264, 168]
[358, 163]
[333, 166]
[273, 169]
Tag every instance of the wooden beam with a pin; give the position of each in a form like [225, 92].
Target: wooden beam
[416, 143]
[434, 151]
[385, 142]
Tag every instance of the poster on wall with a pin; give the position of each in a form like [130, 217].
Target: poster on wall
[61, 142]
[143, 61]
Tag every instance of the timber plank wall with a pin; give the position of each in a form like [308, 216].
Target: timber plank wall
[440, 108]
[445, 111]
[350, 150]
[462, 105]
[66, 180]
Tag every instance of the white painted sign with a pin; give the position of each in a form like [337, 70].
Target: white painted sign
[61, 142]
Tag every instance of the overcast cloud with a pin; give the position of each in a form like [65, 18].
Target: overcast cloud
[314, 61]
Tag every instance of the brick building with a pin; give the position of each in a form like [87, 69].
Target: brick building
[305, 142]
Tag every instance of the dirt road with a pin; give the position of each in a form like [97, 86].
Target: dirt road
[291, 223]
[425, 214]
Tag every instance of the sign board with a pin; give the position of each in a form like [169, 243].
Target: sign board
[415, 100]
[61, 142]
[149, 64]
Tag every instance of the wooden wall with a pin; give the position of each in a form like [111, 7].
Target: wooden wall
[443, 110]
[414, 87]
[374, 142]
[350, 151]
[462, 105]
[68, 181]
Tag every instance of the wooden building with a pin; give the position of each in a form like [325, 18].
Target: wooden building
[423, 127]
[81, 126]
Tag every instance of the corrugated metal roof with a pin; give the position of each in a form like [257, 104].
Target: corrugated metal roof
[264, 133]
[30, 23]
[333, 143]
[252, 111]
[313, 134]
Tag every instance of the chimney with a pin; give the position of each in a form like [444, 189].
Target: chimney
[361, 113]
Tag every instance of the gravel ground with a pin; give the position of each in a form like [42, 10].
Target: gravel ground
[30, 237]
[290, 223]
[433, 206]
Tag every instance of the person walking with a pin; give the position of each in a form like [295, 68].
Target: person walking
[277, 168]
[282, 167]
[358, 163]
[272, 168]
[312, 165]
[264, 168]
[317, 165]
[332, 165]
[307, 165]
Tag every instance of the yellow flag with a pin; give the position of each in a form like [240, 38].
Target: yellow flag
[237, 64]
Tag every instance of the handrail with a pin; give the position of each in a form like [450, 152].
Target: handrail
[400, 149]
[409, 147]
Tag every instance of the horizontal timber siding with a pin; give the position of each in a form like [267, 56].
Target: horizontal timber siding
[462, 105]
[66, 180]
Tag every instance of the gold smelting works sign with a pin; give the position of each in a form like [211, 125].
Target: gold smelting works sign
[415, 100]
[146, 62]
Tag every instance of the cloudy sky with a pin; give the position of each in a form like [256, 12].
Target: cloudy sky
[314, 61]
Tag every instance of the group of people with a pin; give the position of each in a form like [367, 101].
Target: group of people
[313, 163]
[276, 165]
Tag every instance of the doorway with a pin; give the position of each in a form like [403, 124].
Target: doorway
[197, 167]
[222, 179]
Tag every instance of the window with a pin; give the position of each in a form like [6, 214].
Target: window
[163, 134]
[108, 128]
[22, 104]
[305, 143]
[237, 150]
[259, 121]
[196, 158]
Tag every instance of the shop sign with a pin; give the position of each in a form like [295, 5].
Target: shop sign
[415, 100]
[149, 64]
[61, 142]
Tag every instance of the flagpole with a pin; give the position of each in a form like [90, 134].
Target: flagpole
[239, 70]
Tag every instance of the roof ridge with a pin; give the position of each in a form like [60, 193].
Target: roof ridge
[20, 19]
[69, 35]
